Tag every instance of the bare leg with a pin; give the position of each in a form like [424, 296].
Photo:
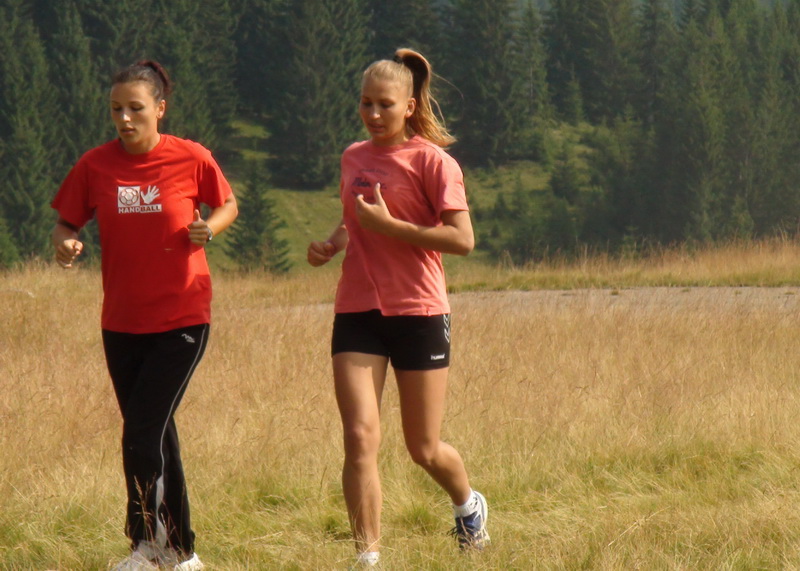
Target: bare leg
[359, 381]
[422, 396]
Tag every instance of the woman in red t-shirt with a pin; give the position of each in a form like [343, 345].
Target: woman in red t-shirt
[145, 189]
[404, 205]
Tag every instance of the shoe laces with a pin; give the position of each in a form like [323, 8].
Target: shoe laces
[468, 526]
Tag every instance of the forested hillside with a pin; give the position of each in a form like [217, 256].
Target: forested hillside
[654, 121]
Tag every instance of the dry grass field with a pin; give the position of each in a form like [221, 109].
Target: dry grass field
[610, 426]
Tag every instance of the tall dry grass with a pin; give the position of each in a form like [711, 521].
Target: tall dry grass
[763, 263]
[617, 428]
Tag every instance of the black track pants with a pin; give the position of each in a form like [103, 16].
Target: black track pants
[150, 373]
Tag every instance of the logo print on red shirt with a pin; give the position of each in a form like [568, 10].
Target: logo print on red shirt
[132, 199]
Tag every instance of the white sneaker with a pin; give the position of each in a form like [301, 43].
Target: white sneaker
[191, 564]
[160, 556]
[136, 561]
[367, 560]
[471, 529]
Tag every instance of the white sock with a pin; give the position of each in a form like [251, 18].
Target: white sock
[368, 558]
[468, 508]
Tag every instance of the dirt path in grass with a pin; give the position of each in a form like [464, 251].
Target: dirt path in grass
[727, 299]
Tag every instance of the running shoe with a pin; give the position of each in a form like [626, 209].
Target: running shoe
[366, 561]
[135, 562]
[191, 564]
[471, 530]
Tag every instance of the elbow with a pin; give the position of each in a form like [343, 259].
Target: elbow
[234, 206]
[464, 247]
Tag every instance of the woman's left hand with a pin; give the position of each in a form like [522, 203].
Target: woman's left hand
[376, 216]
[198, 230]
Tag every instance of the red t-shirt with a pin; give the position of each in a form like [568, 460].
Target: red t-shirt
[419, 181]
[154, 278]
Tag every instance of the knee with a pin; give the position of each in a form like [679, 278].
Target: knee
[141, 446]
[423, 453]
[361, 442]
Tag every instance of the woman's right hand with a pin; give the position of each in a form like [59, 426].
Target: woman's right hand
[67, 251]
[68, 247]
[320, 253]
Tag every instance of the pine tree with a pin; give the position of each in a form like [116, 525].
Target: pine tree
[693, 11]
[484, 66]
[537, 111]
[773, 201]
[189, 109]
[533, 56]
[259, 54]
[214, 61]
[9, 255]
[523, 241]
[656, 37]
[618, 167]
[194, 42]
[702, 135]
[669, 200]
[26, 131]
[789, 47]
[410, 24]
[565, 181]
[315, 109]
[563, 30]
[217, 64]
[591, 44]
[82, 116]
[572, 102]
[741, 61]
[790, 52]
[608, 74]
[118, 35]
[254, 241]
[83, 110]
[546, 228]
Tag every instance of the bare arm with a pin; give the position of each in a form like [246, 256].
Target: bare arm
[65, 240]
[218, 220]
[454, 236]
[320, 253]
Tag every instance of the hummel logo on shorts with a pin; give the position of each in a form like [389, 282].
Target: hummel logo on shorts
[189, 338]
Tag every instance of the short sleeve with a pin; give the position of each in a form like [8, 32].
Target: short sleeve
[73, 200]
[446, 182]
[212, 186]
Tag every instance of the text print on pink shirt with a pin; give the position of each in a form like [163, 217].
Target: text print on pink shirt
[366, 189]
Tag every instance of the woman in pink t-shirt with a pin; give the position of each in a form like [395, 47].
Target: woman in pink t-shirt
[403, 205]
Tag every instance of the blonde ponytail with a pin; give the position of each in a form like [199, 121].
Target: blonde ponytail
[412, 68]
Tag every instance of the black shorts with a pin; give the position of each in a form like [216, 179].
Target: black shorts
[411, 342]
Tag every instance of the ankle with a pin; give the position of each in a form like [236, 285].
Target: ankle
[467, 508]
[368, 558]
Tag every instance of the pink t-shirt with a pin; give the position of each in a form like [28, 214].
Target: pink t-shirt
[154, 278]
[418, 181]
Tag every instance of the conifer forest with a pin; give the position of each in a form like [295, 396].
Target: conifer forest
[657, 121]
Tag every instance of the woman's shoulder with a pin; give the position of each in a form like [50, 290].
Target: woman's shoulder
[186, 150]
[178, 144]
[417, 150]
[101, 154]
[357, 146]
[430, 152]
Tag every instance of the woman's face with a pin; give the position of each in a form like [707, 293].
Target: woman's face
[135, 113]
[385, 107]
